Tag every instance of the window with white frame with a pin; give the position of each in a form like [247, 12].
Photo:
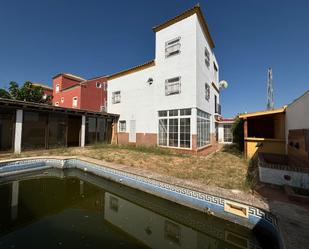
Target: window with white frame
[62, 99]
[175, 128]
[74, 101]
[98, 85]
[57, 88]
[172, 47]
[203, 128]
[116, 97]
[207, 57]
[172, 232]
[207, 91]
[216, 73]
[122, 126]
[172, 86]
[57, 104]
[227, 133]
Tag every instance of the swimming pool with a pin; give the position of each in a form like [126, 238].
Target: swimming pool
[67, 203]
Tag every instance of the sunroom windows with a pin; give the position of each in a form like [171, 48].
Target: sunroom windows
[203, 128]
[175, 128]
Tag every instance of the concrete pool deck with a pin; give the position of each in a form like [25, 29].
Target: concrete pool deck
[293, 220]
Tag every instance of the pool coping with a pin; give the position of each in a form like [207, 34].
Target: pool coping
[175, 190]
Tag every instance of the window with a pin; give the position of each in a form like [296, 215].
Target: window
[163, 132]
[57, 88]
[203, 128]
[184, 112]
[185, 133]
[62, 99]
[172, 232]
[216, 72]
[74, 102]
[227, 133]
[172, 86]
[98, 85]
[113, 203]
[162, 113]
[172, 47]
[175, 128]
[116, 97]
[122, 126]
[57, 104]
[207, 91]
[207, 57]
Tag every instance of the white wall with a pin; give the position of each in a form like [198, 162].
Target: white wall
[274, 176]
[141, 102]
[297, 114]
[205, 74]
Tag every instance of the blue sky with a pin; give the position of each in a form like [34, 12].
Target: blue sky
[39, 39]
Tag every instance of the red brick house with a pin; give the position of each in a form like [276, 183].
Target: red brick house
[72, 91]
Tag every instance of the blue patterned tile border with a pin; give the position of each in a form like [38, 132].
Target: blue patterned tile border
[198, 200]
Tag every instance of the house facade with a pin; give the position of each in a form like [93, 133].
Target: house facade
[72, 91]
[173, 100]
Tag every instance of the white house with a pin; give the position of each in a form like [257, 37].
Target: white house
[297, 114]
[173, 100]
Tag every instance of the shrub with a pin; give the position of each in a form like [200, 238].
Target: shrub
[238, 133]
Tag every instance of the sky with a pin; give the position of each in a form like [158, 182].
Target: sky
[41, 38]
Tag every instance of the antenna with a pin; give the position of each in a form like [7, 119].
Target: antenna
[270, 90]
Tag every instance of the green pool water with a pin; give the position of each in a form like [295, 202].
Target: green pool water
[73, 209]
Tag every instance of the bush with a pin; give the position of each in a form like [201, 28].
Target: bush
[238, 133]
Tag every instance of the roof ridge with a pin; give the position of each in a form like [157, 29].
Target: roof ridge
[196, 9]
[140, 66]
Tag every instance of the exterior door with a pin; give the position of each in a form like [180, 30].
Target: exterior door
[132, 135]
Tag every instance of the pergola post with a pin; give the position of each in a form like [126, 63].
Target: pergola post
[114, 132]
[83, 132]
[245, 136]
[18, 131]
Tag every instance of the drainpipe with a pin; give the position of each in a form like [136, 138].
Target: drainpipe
[18, 131]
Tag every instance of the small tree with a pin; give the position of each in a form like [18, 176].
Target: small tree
[238, 133]
[4, 94]
[28, 92]
[14, 90]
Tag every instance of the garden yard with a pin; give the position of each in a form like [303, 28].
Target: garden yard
[226, 168]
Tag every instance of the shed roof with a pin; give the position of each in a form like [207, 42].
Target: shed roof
[299, 98]
[262, 113]
[45, 107]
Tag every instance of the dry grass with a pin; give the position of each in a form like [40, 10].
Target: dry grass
[226, 168]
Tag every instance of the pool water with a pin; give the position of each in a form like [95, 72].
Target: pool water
[73, 209]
